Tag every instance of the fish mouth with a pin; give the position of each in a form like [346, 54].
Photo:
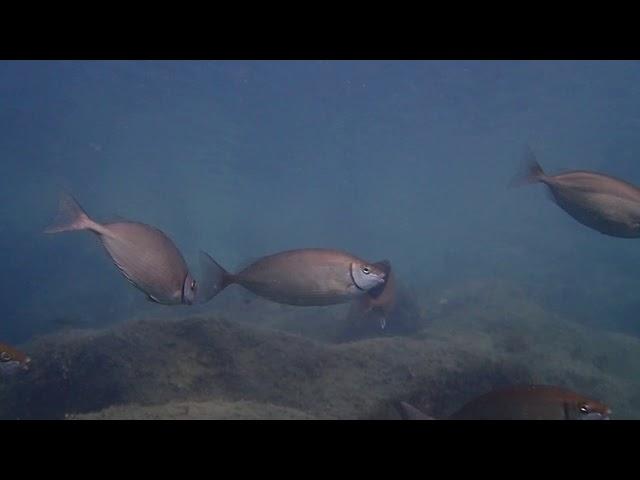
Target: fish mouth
[27, 364]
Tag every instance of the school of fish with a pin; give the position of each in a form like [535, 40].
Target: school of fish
[150, 261]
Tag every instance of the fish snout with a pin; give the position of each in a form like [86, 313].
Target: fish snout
[26, 366]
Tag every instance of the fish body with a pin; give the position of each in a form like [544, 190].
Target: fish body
[145, 255]
[532, 402]
[598, 201]
[304, 277]
[149, 260]
[524, 402]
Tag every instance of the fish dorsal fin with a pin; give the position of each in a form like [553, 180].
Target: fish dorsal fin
[409, 412]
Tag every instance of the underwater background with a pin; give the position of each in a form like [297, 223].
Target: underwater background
[402, 160]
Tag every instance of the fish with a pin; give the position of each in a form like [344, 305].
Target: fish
[409, 412]
[12, 360]
[145, 255]
[380, 299]
[606, 204]
[523, 402]
[302, 277]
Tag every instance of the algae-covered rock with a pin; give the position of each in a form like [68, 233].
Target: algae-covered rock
[211, 410]
[479, 335]
[199, 359]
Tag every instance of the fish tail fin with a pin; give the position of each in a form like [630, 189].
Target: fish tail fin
[409, 412]
[214, 278]
[71, 217]
[532, 171]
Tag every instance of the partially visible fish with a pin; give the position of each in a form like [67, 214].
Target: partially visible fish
[603, 203]
[409, 412]
[143, 254]
[525, 402]
[12, 360]
[380, 299]
[305, 277]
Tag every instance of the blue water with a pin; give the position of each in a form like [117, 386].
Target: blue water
[406, 160]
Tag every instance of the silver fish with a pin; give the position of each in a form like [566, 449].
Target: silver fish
[143, 254]
[606, 204]
[309, 277]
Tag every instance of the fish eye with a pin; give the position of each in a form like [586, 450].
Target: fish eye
[193, 284]
[366, 270]
[5, 356]
[584, 408]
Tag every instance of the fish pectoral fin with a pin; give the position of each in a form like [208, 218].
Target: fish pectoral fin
[152, 299]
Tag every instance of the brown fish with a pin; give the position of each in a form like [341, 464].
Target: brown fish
[603, 203]
[306, 277]
[380, 299]
[12, 360]
[143, 254]
[526, 402]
